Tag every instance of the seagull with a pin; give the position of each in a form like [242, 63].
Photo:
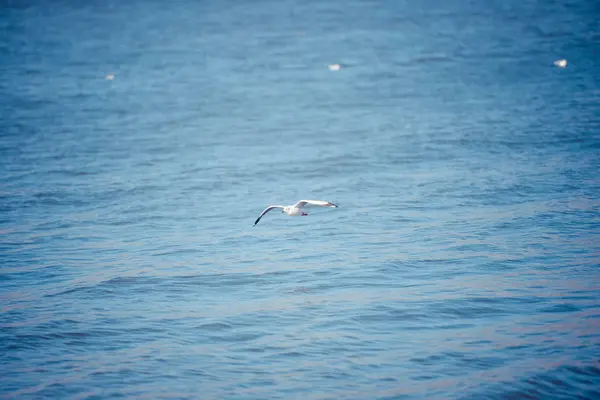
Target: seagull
[297, 209]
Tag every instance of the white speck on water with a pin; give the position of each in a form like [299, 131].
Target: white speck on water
[334, 67]
[561, 63]
[109, 77]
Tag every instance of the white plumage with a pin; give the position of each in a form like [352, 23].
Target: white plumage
[297, 209]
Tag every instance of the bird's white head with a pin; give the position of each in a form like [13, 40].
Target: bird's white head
[286, 209]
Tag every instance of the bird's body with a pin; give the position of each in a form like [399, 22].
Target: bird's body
[297, 210]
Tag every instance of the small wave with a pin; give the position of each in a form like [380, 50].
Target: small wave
[565, 381]
[214, 326]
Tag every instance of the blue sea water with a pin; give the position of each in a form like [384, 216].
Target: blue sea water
[463, 260]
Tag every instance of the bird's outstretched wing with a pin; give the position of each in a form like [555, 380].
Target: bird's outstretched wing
[303, 203]
[266, 211]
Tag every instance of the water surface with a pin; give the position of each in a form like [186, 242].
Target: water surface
[463, 259]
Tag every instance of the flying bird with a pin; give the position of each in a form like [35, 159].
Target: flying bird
[297, 209]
